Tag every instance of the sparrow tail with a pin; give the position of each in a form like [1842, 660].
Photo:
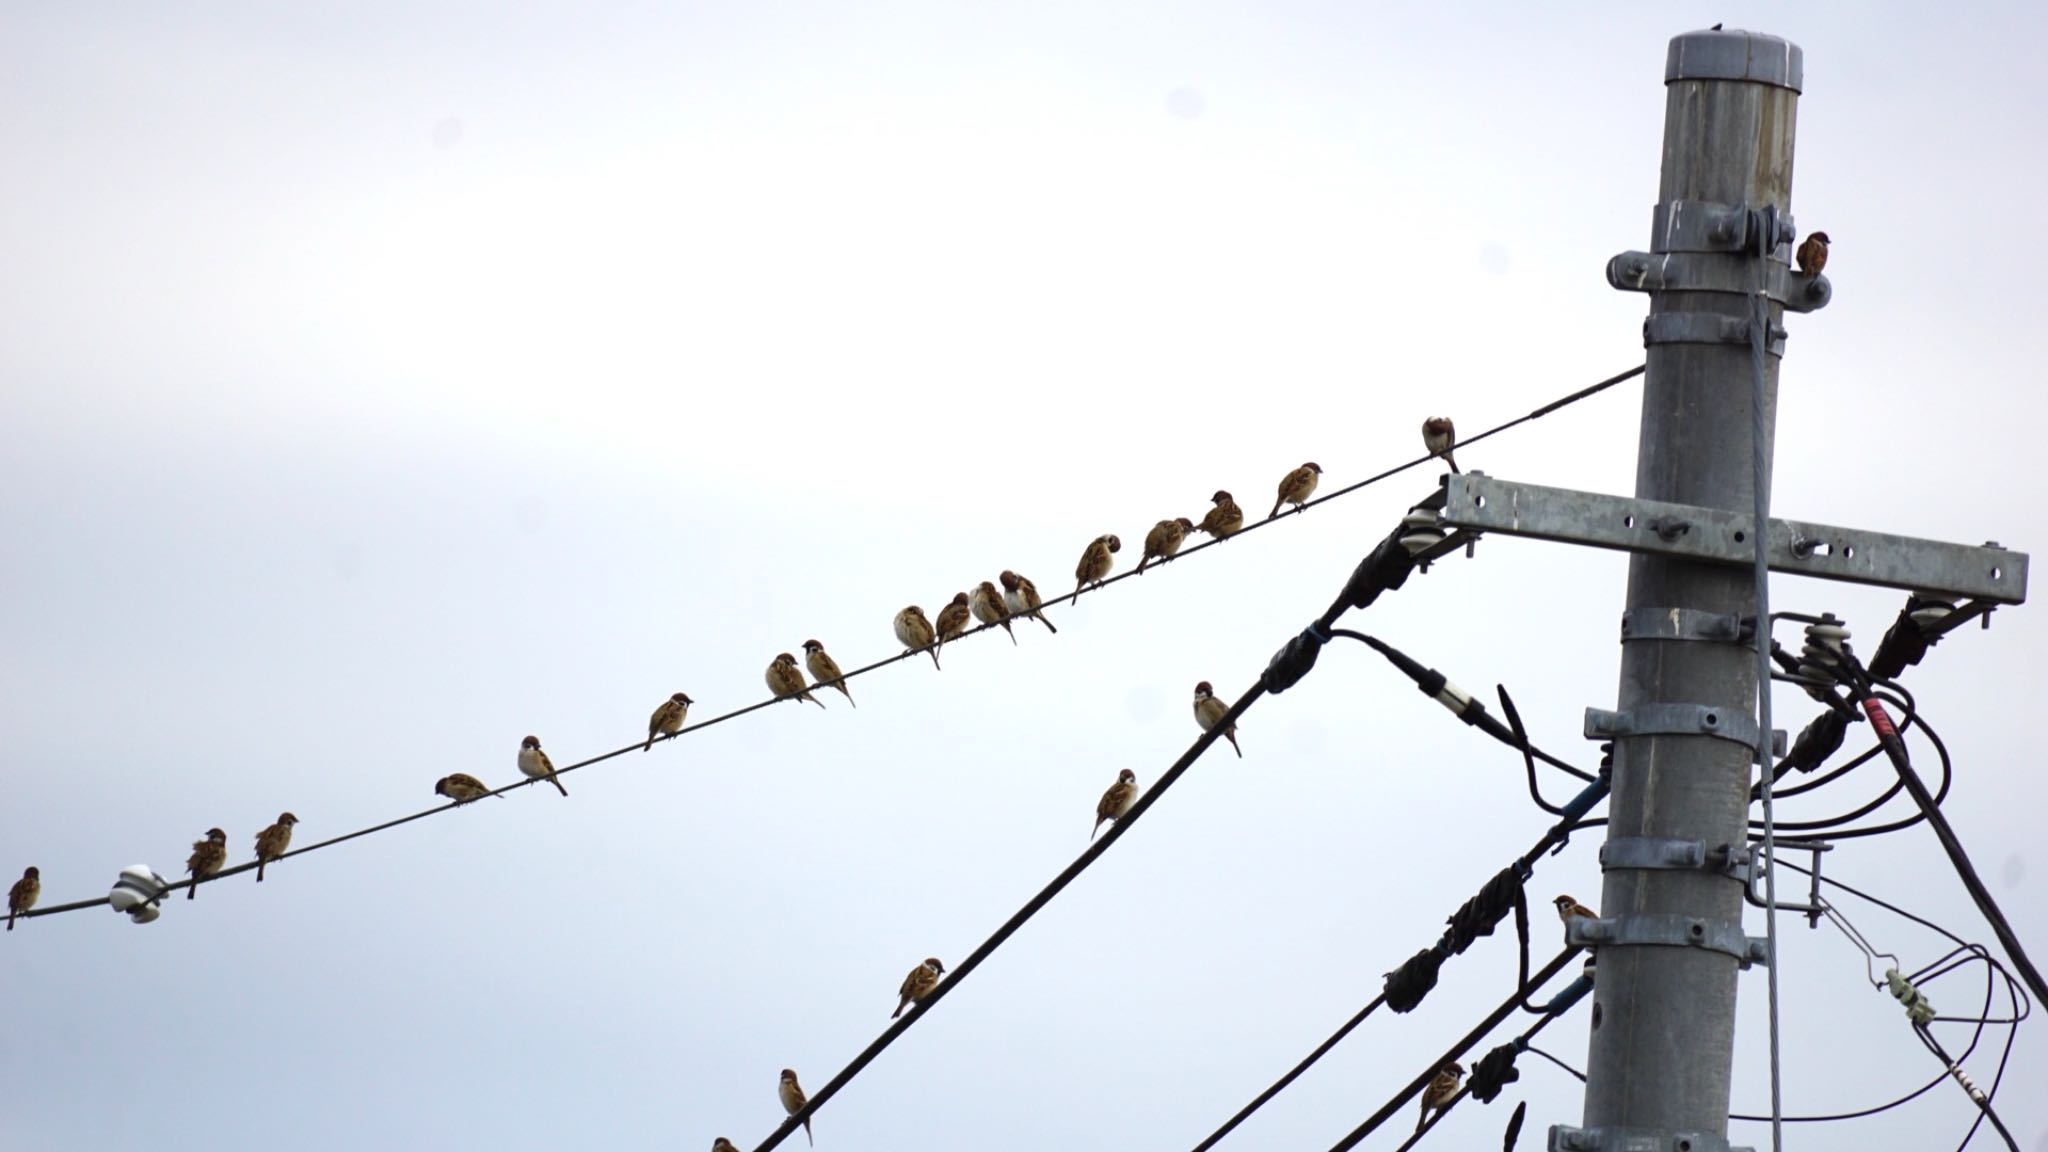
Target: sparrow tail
[1042, 620]
[1232, 737]
[935, 656]
[192, 893]
[848, 695]
[900, 1007]
[1424, 1122]
[259, 870]
[1451, 462]
[807, 1133]
[1010, 630]
[1276, 507]
[557, 784]
[1142, 561]
[814, 700]
[10, 921]
[650, 742]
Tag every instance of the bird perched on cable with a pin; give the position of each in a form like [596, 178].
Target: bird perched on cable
[793, 1101]
[461, 787]
[207, 857]
[536, 765]
[824, 669]
[1568, 908]
[919, 984]
[989, 608]
[1164, 540]
[952, 622]
[1224, 519]
[1020, 596]
[1116, 801]
[1297, 486]
[1096, 562]
[668, 718]
[1442, 1087]
[272, 842]
[786, 680]
[915, 632]
[23, 895]
[1209, 710]
[1813, 254]
[723, 1145]
[1438, 434]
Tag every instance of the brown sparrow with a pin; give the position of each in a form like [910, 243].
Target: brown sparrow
[1813, 254]
[207, 857]
[461, 787]
[786, 680]
[915, 632]
[668, 719]
[1438, 434]
[536, 765]
[1209, 710]
[918, 984]
[1020, 596]
[1296, 487]
[988, 607]
[1224, 519]
[1096, 562]
[953, 620]
[1441, 1088]
[722, 1145]
[825, 670]
[793, 1101]
[272, 842]
[1116, 801]
[22, 896]
[1568, 908]
[1164, 540]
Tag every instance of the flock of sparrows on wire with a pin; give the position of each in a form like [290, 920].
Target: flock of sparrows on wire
[1018, 599]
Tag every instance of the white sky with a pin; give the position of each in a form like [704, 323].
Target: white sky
[382, 382]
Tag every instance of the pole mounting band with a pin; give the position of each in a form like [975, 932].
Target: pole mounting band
[1564, 1138]
[1668, 930]
[1679, 720]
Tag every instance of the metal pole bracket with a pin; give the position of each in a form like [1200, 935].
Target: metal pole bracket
[1564, 1138]
[1668, 931]
[1648, 622]
[1657, 853]
[1679, 720]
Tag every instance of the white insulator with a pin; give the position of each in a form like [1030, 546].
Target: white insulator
[1453, 697]
[138, 892]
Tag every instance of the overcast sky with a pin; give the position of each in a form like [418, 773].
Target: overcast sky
[382, 382]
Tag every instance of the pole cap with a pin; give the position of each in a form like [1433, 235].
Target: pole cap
[1756, 57]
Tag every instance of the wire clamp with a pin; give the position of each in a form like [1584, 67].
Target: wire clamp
[1668, 931]
[1679, 720]
[1564, 1138]
[1652, 623]
[1658, 853]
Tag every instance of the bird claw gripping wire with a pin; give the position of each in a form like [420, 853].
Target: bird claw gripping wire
[1918, 1010]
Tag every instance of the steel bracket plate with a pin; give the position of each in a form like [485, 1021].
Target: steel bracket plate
[1648, 622]
[1708, 226]
[1679, 720]
[1705, 328]
[1658, 853]
[1664, 930]
[1731, 273]
[1564, 1138]
[1711, 535]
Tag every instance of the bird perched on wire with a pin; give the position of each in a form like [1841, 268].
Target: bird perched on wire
[272, 842]
[915, 632]
[207, 857]
[1209, 710]
[793, 1101]
[1116, 801]
[1020, 596]
[24, 894]
[1812, 254]
[1442, 1087]
[668, 718]
[1569, 909]
[825, 670]
[989, 608]
[1164, 540]
[919, 984]
[461, 787]
[536, 765]
[952, 622]
[1438, 434]
[1096, 562]
[1297, 486]
[786, 680]
[1224, 519]
[723, 1145]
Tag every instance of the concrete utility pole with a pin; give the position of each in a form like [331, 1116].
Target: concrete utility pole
[1663, 1022]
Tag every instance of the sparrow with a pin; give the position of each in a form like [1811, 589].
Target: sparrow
[22, 896]
[915, 632]
[786, 680]
[272, 841]
[1208, 710]
[953, 620]
[1438, 434]
[1117, 800]
[207, 857]
[824, 669]
[1568, 908]
[793, 1101]
[668, 719]
[1164, 540]
[919, 984]
[722, 1145]
[988, 607]
[1440, 1090]
[1296, 487]
[1224, 519]
[461, 787]
[1813, 254]
[1095, 562]
[1020, 596]
[535, 763]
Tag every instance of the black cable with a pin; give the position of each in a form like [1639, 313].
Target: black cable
[1292, 1075]
[1981, 1101]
